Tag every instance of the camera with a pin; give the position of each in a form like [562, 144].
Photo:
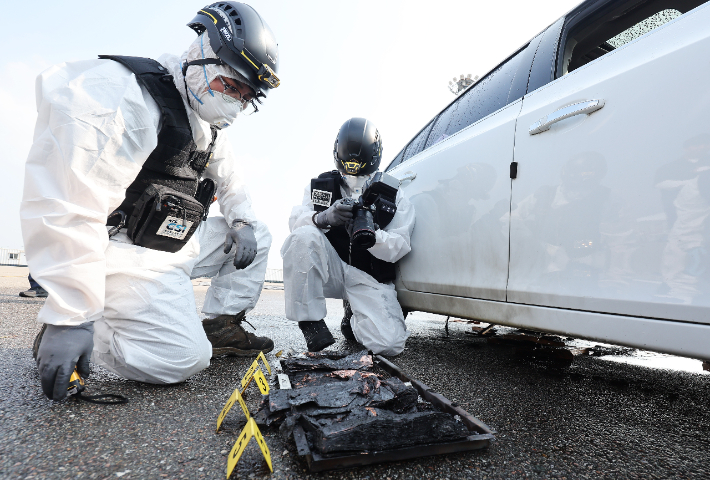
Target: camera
[362, 234]
[375, 206]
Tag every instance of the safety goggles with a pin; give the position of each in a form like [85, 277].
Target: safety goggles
[248, 104]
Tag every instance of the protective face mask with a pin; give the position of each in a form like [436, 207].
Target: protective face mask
[356, 184]
[218, 109]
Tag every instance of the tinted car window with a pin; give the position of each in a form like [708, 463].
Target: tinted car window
[643, 27]
[483, 98]
[397, 160]
[417, 144]
[520, 82]
[505, 85]
[594, 29]
[543, 66]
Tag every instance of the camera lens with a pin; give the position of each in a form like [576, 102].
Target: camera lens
[363, 235]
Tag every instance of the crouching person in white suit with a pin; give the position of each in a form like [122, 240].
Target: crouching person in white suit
[319, 261]
[128, 154]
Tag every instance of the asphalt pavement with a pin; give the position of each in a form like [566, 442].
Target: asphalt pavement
[594, 418]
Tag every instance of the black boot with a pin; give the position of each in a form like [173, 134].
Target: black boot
[36, 292]
[345, 326]
[228, 337]
[317, 335]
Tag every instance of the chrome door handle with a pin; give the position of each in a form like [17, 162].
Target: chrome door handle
[408, 176]
[545, 123]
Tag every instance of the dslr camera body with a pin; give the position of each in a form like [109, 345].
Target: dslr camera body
[376, 205]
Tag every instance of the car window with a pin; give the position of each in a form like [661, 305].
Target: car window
[595, 31]
[397, 160]
[504, 85]
[520, 83]
[483, 98]
[643, 27]
[418, 143]
[543, 67]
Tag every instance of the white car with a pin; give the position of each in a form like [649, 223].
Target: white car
[568, 190]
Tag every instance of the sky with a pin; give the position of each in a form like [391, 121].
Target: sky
[388, 61]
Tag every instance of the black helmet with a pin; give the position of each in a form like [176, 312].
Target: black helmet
[242, 40]
[358, 147]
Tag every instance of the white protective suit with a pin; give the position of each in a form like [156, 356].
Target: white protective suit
[96, 126]
[313, 271]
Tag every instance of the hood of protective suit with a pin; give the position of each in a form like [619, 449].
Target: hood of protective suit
[213, 107]
[200, 128]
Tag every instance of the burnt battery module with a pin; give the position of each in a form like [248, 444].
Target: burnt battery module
[359, 409]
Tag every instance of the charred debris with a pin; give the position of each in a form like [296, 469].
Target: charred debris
[341, 407]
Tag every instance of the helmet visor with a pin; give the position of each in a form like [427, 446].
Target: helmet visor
[352, 166]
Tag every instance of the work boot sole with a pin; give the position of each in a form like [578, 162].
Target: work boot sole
[33, 295]
[237, 352]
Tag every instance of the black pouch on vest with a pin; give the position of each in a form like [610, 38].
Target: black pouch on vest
[205, 194]
[164, 219]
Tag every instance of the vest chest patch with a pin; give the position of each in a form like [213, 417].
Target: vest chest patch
[321, 197]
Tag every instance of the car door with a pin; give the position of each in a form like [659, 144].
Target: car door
[456, 174]
[611, 205]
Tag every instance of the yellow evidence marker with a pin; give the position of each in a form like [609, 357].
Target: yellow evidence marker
[263, 360]
[252, 368]
[249, 375]
[234, 397]
[255, 372]
[261, 382]
[250, 430]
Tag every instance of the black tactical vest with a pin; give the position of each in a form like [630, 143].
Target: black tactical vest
[175, 163]
[328, 185]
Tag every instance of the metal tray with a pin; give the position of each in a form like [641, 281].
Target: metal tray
[481, 435]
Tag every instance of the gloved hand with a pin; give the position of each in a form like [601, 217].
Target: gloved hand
[243, 235]
[62, 348]
[336, 215]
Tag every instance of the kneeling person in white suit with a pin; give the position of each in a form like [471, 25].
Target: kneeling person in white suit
[128, 154]
[320, 263]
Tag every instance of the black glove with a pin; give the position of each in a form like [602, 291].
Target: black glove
[61, 349]
[242, 234]
[336, 215]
